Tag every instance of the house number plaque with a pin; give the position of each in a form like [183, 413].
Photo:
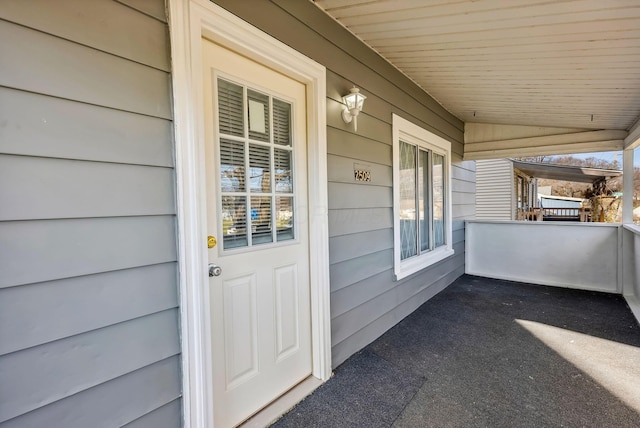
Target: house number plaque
[361, 172]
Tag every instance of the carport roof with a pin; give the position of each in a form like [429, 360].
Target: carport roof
[565, 172]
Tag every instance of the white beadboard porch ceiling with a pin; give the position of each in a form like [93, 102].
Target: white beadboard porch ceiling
[553, 63]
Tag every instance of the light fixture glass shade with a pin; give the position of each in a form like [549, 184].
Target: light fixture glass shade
[353, 101]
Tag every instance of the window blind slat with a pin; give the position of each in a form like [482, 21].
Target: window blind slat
[230, 108]
[281, 123]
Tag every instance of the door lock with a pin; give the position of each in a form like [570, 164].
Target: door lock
[214, 270]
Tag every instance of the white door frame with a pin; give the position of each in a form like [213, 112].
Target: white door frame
[190, 21]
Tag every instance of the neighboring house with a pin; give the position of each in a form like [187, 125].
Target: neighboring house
[189, 228]
[506, 188]
[503, 190]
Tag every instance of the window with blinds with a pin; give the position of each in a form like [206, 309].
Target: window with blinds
[256, 167]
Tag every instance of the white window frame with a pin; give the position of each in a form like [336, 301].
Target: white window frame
[413, 134]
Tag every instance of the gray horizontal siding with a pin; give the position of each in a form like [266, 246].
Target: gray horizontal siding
[155, 9]
[99, 27]
[344, 274]
[348, 145]
[69, 70]
[466, 211]
[463, 186]
[353, 195]
[365, 298]
[167, 416]
[348, 323]
[40, 125]
[60, 188]
[43, 250]
[76, 305]
[347, 221]
[354, 245]
[369, 332]
[117, 402]
[459, 198]
[44, 374]
[459, 173]
[359, 292]
[88, 277]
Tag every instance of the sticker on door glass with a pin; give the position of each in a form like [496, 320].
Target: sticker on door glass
[257, 117]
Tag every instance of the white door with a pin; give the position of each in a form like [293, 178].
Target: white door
[256, 185]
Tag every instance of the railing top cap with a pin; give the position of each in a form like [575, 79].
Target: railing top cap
[550, 223]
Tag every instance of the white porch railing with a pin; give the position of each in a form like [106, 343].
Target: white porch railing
[575, 255]
[587, 256]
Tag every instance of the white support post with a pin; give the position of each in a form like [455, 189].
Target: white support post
[627, 189]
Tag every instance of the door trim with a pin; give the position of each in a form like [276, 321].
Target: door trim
[189, 22]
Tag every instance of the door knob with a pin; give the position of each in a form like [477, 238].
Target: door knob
[214, 270]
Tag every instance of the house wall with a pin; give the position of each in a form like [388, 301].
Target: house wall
[365, 299]
[88, 281]
[495, 186]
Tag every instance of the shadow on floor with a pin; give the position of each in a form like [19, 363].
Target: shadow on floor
[491, 353]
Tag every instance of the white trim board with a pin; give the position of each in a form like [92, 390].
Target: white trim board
[634, 305]
[495, 141]
[189, 22]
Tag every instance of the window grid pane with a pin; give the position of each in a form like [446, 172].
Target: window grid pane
[282, 160]
[258, 114]
[408, 222]
[438, 200]
[424, 200]
[281, 123]
[232, 165]
[259, 169]
[234, 221]
[284, 218]
[261, 232]
[230, 107]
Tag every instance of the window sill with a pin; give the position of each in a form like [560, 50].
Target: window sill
[414, 265]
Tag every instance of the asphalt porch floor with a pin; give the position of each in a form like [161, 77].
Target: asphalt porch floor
[491, 353]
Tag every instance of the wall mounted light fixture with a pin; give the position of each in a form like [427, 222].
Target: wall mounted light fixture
[353, 102]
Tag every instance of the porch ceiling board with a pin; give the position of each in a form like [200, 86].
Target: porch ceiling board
[564, 63]
[487, 141]
[633, 138]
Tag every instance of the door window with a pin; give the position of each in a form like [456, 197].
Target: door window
[256, 167]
